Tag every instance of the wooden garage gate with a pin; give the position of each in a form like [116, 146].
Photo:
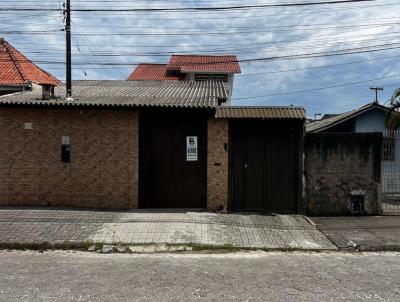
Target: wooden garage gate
[265, 165]
[168, 179]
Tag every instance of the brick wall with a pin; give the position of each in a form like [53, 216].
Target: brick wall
[339, 166]
[103, 171]
[217, 164]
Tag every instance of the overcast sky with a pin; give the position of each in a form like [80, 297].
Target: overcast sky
[262, 33]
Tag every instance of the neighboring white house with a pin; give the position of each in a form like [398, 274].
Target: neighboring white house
[191, 68]
[369, 118]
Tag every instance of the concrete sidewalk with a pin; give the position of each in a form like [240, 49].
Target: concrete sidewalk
[58, 226]
[364, 233]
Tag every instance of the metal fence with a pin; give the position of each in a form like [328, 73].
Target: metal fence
[391, 171]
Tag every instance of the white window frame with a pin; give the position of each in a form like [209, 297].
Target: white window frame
[207, 76]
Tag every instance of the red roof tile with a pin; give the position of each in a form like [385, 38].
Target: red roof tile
[153, 72]
[180, 64]
[204, 63]
[16, 69]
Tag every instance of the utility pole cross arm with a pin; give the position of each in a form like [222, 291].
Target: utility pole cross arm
[376, 89]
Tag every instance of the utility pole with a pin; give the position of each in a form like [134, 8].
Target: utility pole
[316, 114]
[376, 89]
[67, 14]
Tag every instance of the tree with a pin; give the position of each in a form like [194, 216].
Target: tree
[393, 117]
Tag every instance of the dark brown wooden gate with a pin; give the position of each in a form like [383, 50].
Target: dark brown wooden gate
[167, 179]
[265, 173]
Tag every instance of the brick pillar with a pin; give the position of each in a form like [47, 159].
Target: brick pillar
[133, 161]
[217, 164]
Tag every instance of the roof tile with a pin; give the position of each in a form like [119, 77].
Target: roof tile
[180, 64]
[204, 63]
[153, 72]
[16, 69]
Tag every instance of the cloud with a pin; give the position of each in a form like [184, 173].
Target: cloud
[257, 33]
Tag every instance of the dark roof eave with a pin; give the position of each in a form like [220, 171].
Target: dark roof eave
[347, 117]
[263, 118]
[99, 105]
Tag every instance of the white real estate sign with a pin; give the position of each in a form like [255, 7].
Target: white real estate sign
[191, 148]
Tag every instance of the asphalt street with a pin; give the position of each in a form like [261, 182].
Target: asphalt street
[274, 276]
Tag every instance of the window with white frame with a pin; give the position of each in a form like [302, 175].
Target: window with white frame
[389, 148]
[215, 77]
[220, 77]
[202, 77]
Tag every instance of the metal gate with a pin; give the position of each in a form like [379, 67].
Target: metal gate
[171, 174]
[264, 165]
[391, 171]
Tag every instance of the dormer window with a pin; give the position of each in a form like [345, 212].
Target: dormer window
[214, 77]
[47, 92]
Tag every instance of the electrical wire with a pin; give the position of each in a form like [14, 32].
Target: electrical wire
[182, 9]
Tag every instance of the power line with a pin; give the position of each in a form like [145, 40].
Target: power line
[238, 51]
[240, 7]
[316, 89]
[236, 45]
[185, 33]
[317, 67]
[180, 9]
[357, 50]
[295, 10]
[306, 27]
[274, 72]
[287, 11]
[107, 71]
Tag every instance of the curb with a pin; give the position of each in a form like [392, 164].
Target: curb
[149, 248]
[386, 248]
[310, 221]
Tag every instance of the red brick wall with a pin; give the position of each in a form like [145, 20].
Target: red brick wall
[217, 164]
[103, 172]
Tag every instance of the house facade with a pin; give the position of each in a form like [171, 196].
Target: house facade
[149, 144]
[192, 68]
[366, 119]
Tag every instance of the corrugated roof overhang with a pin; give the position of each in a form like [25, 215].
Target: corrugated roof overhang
[176, 94]
[261, 112]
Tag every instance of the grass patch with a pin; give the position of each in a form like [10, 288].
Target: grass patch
[175, 248]
[45, 245]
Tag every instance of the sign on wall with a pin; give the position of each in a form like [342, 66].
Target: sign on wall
[191, 148]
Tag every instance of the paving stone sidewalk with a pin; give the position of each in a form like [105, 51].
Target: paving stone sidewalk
[160, 227]
[364, 233]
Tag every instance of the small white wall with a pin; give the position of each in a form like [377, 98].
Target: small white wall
[228, 85]
[371, 121]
